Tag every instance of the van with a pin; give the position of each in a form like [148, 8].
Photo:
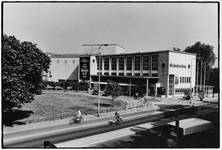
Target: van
[191, 133]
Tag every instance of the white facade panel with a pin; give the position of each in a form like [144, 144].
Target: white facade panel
[63, 69]
[93, 65]
[180, 66]
[95, 49]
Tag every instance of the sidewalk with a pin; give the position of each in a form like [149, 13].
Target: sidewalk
[133, 106]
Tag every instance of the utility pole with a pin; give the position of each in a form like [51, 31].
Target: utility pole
[201, 75]
[99, 71]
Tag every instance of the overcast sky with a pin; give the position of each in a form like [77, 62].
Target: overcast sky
[138, 27]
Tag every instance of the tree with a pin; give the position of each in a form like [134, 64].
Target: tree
[112, 88]
[22, 67]
[203, 51]
[214, 79]
[176, 49]
[205, 55]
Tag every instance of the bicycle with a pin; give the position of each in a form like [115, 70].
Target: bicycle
[75, 120]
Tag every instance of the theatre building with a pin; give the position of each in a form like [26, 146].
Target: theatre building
[165, 72]
[63, 67]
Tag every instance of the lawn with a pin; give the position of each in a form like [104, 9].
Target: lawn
[62, 104]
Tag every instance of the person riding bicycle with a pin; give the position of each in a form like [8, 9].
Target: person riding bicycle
[79, 115]
[117, 116]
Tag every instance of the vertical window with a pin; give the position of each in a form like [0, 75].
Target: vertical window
[176, 80]
[155, 62]
[65, 61]
[106, 63]
[137, 63]
[113, 67]
[99, 63]
[146, 62]
[171, 83]
[73, 61]
[121, 63]
[129, 63]
[57, 61]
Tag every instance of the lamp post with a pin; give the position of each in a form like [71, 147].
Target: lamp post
[98, 107]
[191, 77]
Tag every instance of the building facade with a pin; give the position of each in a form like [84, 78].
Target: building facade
[63, 67]
[166, 72]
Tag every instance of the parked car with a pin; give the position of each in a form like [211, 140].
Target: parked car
[69, 88]
[49, 87]
[105, 94]
[58, 88]
[94, 92]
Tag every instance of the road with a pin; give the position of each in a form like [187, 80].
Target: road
[152, 138]
[119, 138]
[62, 134]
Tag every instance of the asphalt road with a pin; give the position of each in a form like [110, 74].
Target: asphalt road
[121, 138]
[60, 134]
[149, 139]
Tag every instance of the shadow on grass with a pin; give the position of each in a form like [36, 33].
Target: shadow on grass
[12, 118]
[163, 107]
[210, 102]
[104, 105]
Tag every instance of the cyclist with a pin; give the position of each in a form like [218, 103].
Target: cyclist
[79, 115]
[117, 116]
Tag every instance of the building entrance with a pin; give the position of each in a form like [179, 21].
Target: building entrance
[171, 85]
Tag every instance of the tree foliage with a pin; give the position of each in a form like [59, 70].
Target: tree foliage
[176, 49]
[112, 88]
[203, 51]
[205, 55]
[22, 67]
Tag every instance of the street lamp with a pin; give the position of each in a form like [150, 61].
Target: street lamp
[191, 77]
[98, 107]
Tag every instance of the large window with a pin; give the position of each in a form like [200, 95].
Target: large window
[171, 83]
[121, 63]
[106, 63]
[129, 63]
[146, 62]
[99, 63]
[155, 62]
[137, 63]
[113, 67]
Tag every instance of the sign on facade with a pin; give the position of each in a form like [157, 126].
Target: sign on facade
[84, 68]
[178, 65]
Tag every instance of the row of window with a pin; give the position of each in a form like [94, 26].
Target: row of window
[184, 79]
[181, 90]
[130, 74]
[65, 61]
[145, 59]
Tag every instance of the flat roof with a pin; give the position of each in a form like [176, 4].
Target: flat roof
[101, 44]
[157, 51]
[120, 54]
[64, 55]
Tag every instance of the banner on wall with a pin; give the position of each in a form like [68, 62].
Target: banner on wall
[84, 68]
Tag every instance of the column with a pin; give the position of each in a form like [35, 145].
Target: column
[130, 87]
[167, 86]
[147, 87]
